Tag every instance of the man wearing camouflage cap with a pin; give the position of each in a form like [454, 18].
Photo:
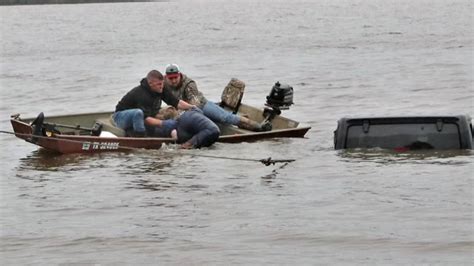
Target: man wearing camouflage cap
[184, 88]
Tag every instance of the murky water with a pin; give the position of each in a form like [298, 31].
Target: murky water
[178, 207]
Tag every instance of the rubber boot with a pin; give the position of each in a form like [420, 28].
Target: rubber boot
[266, 126]
[252, 125]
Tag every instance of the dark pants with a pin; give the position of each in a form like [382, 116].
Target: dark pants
[195, 127]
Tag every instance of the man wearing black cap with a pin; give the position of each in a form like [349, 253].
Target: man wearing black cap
[184, 88]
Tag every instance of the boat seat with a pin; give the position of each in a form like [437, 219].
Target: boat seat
[232, 95]
[108, 124]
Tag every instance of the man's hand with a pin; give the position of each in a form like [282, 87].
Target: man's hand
[174, 134]
[184, 105]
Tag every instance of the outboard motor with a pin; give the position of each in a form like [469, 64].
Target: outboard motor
[280, 98]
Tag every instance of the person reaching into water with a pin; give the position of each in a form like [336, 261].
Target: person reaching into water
[192, 130]
[184, 88]
[136, 112]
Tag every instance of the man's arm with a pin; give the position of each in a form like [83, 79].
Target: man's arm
[152, 121]
[169, 98]
[184, 105]
[193, 95]
[168, 125]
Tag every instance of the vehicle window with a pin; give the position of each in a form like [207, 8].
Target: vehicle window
[389, 136]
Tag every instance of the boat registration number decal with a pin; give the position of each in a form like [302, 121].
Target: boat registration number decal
[100, 146]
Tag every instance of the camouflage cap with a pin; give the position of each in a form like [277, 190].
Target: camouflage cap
[172, 69]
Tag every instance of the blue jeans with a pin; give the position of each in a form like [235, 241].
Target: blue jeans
[193, 126]
[130, 119]
[219, 115]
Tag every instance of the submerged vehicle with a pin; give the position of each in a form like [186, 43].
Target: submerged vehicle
[96, 132]
[405, 133]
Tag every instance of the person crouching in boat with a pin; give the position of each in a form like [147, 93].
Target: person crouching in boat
[193, 129]
[184, 88]
[136, 112]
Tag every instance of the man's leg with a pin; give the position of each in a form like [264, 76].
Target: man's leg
[131, 120]
[197, 130]
[219, 115]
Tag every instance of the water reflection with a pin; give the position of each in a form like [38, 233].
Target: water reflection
[145, 162]
[449, 157]
[151, 184]
[44, 160]
[134, 162]
[156, 171]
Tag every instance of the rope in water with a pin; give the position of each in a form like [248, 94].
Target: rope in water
[268, 161]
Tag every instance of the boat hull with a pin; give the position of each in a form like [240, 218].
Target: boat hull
[75, 139]
[85, 144]
[251, 137]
